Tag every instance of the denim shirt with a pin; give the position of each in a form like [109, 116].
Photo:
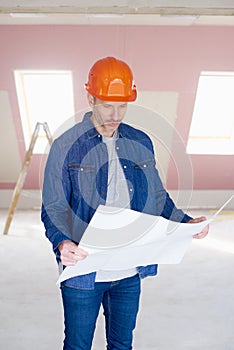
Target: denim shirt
[75, 184]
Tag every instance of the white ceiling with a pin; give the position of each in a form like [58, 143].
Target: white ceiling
[121, 12]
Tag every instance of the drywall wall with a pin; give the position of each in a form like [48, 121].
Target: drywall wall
[9, 151]
[166, 61]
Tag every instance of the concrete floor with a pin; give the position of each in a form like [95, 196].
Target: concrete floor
[188, 306]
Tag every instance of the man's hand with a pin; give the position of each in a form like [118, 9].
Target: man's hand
[204, 232]
[70, 253]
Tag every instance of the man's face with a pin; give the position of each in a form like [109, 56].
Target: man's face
[107, 115]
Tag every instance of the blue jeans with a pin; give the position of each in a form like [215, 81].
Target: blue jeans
[120, 300]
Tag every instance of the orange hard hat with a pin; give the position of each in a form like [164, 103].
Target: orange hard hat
[111, 80]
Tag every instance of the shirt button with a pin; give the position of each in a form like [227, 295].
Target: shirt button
[130, 189]
[81, 169]
[145, 166]
[117, 148]
[125, 166]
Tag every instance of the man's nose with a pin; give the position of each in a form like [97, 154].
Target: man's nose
[115, 113]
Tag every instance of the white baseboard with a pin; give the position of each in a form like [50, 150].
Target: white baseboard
[202, 199]
[185, 199]
[29, 199]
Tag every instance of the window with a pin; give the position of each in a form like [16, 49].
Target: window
[212, 127]
[44, 96]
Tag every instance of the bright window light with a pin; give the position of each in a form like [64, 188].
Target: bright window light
[212, 127]
[44, 96]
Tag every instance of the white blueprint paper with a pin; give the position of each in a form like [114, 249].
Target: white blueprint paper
[118, 239]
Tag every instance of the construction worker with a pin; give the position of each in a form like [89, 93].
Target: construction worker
[102, 160]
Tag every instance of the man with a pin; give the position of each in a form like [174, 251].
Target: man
[101, 160]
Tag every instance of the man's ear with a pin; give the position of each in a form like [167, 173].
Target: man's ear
[90, 100]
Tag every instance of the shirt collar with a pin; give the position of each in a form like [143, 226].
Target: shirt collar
[88, 125]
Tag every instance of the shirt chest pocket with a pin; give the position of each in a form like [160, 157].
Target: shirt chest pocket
[143, 174]
[83, 178]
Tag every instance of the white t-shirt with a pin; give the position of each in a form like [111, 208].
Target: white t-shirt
[117, 196]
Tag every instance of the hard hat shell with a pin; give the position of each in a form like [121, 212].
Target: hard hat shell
[111, 79]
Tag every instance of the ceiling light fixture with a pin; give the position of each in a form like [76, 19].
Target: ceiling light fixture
[28, 15]
[105, 15]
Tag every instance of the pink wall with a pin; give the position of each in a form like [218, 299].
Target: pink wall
[162, 59]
